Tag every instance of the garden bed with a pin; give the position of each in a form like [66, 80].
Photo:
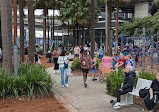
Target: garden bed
[47, 104]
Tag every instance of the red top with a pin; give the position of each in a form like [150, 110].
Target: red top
[120, 61]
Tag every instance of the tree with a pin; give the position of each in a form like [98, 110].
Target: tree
[6, 27]
[92, 33]
[157, 2]
[31, 24]
[21, 7]
[78, 12]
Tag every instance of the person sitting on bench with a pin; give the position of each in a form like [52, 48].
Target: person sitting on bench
[152, 98]
[128, 84]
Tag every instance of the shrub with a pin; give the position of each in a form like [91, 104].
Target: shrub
[41, 51]
[147, 75]
[97, 65]
[75, 64]
[113, 82]
[32, 80]
[115, 79]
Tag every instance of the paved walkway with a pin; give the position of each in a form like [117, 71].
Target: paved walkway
[94, 98]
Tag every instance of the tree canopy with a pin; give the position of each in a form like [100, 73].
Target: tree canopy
[151, 23]
[77, 11]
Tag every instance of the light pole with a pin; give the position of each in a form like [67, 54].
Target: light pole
[15, 38]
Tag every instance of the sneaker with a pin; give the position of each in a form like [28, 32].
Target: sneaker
[85, 84]
[54, 72]
[94, 79]
[117, 106]
[62, 86]
[66, 85]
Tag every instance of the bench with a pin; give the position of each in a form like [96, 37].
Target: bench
[127, 99]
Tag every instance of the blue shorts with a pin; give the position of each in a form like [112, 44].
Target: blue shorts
[93, 71]
[76, 55]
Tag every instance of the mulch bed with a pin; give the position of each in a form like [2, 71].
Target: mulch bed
[47, 104]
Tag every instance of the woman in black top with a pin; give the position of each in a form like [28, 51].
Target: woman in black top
[152, 98]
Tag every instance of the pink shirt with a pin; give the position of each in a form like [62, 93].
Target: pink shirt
[107, 62]
[56, 54]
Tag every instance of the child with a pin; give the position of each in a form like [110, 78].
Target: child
[94, 62]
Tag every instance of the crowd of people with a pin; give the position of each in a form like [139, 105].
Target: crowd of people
[107, 65]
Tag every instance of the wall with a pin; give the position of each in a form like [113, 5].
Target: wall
[142, 9]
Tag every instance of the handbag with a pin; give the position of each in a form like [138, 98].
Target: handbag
[143, 92]
[65, 65]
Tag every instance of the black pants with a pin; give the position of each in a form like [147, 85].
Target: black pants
[122, 93]
[56, 64]
[150, 103]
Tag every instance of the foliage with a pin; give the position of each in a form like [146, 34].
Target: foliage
[32, 80]
[148, 76]
[41, 51]
[157, 2]
[115, 79]
[151, 23]
[97, 65]
[113, 82]
[75, 64]
[77, 11]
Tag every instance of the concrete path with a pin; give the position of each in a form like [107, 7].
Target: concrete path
[94, 98]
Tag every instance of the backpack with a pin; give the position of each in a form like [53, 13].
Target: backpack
[143, 92]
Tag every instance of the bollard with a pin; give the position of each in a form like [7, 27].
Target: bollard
[143, 50]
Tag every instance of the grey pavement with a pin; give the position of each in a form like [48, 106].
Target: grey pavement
[94, 98]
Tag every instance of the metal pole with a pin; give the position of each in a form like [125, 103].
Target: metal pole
[158, 50]
[122, 41]
[15, 39]
[143, 50]
[152, 51]
[48, 33]
[116, 49]
[111, 40]
[68, 35]
[57, 34]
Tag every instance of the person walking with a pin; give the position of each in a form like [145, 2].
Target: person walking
[63, 61]
[94, 62]
[115, 59]
[85, 61]
[106, 65]
[55, 55]
[77, 51]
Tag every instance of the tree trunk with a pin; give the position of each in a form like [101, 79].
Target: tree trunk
[82, 35]
[48, 33]
[53, 28]
[74, 37]
[21, 6]
[44, 30]
[31, 24]
[6, 28]
[77, 34]
[68, 35]
[92, 32]
[109, 3]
